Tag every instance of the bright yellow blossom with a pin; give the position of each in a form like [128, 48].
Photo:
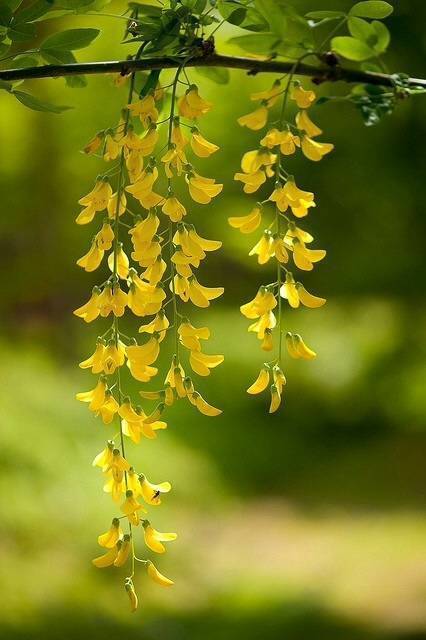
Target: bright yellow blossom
[154, 538]
[200, 146]
[191, 105]
[261, 382]
[158, 577]
[248, 223]
[304, 99]
[304, 123]
[112, 536]
[255, 120]
[145, 109]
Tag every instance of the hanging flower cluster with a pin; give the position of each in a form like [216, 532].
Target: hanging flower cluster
[152, 252]
[282, 238]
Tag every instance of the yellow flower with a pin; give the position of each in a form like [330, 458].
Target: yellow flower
[304, 99]
[315, 150]
[280, 250]
[260, 383]
[109, 408]
[158, 577]
[95, 397]
[113, 356]
[263, 302]
[267, 343]
[144, 230]
[175, 376]
[255, 120]
[90, 311]
[200, 146]
[174, 158]
[142, 189]
[266, 322]
[155, 271]
[270, 96]
[95, 143]
[112, 148]
[151, 492]
[130, 590]
[158, 325]
[124, 549]
[275, 399]
[112, 205]
[254, 160]
[107, 559]
[174, 209]
[105, 237]
[297, 348]
[288, 143]
[191, 105]
[134, 164]
[190, 336]
[154, 538]
[305, 258]
[279, 378]
[308, 299]
[110, 538]
[200, 296]
[122, 262]
[202, 189]
[96, 360]
[96, 200]
[145, 109]
[251, 181]
[115, 485]
[264, 249]
[290, 195]
[112, 299]
[304, 123]
[104, 458]
[177, 135]
[289, 291]
[204, 407]
[248, 223]
[130, 507]
[201, 363]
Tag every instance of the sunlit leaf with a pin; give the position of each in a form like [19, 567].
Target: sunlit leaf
[382, 34]
[371, 9]
[34, 103]
[219, 75]
[70, 40]
[256, 42]
[321, 15]
[352, 48]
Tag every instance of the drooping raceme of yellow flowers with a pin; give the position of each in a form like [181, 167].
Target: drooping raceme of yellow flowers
[282, 239]
[146, 242]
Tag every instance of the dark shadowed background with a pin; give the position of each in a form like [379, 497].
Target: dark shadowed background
[306, 525]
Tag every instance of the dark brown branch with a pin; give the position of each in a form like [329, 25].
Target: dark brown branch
[320, 73]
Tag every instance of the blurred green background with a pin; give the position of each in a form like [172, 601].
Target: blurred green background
[309, 524]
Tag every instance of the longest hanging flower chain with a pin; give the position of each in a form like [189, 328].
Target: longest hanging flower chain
[168, 249]
[283, 236]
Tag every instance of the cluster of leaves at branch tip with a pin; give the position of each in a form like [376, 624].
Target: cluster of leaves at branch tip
[180, 29]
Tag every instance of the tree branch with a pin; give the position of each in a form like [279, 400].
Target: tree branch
[320, 73]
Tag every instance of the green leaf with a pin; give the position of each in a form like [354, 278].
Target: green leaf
[361, 29]
[70, 40]
[33, 11]
[382, 34]
[22, 62]
[72, 4]
[256, 42]
[285, 21]
[19, 32]
[5, 15]
[150, 82]
[6, 86]
[56, 56]
[377, 9]
[232, 12]
[145, 9]
[37, 105]
[352, 48]
[76, 82]
[321, 15]
[13, 4]
[219, 75]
